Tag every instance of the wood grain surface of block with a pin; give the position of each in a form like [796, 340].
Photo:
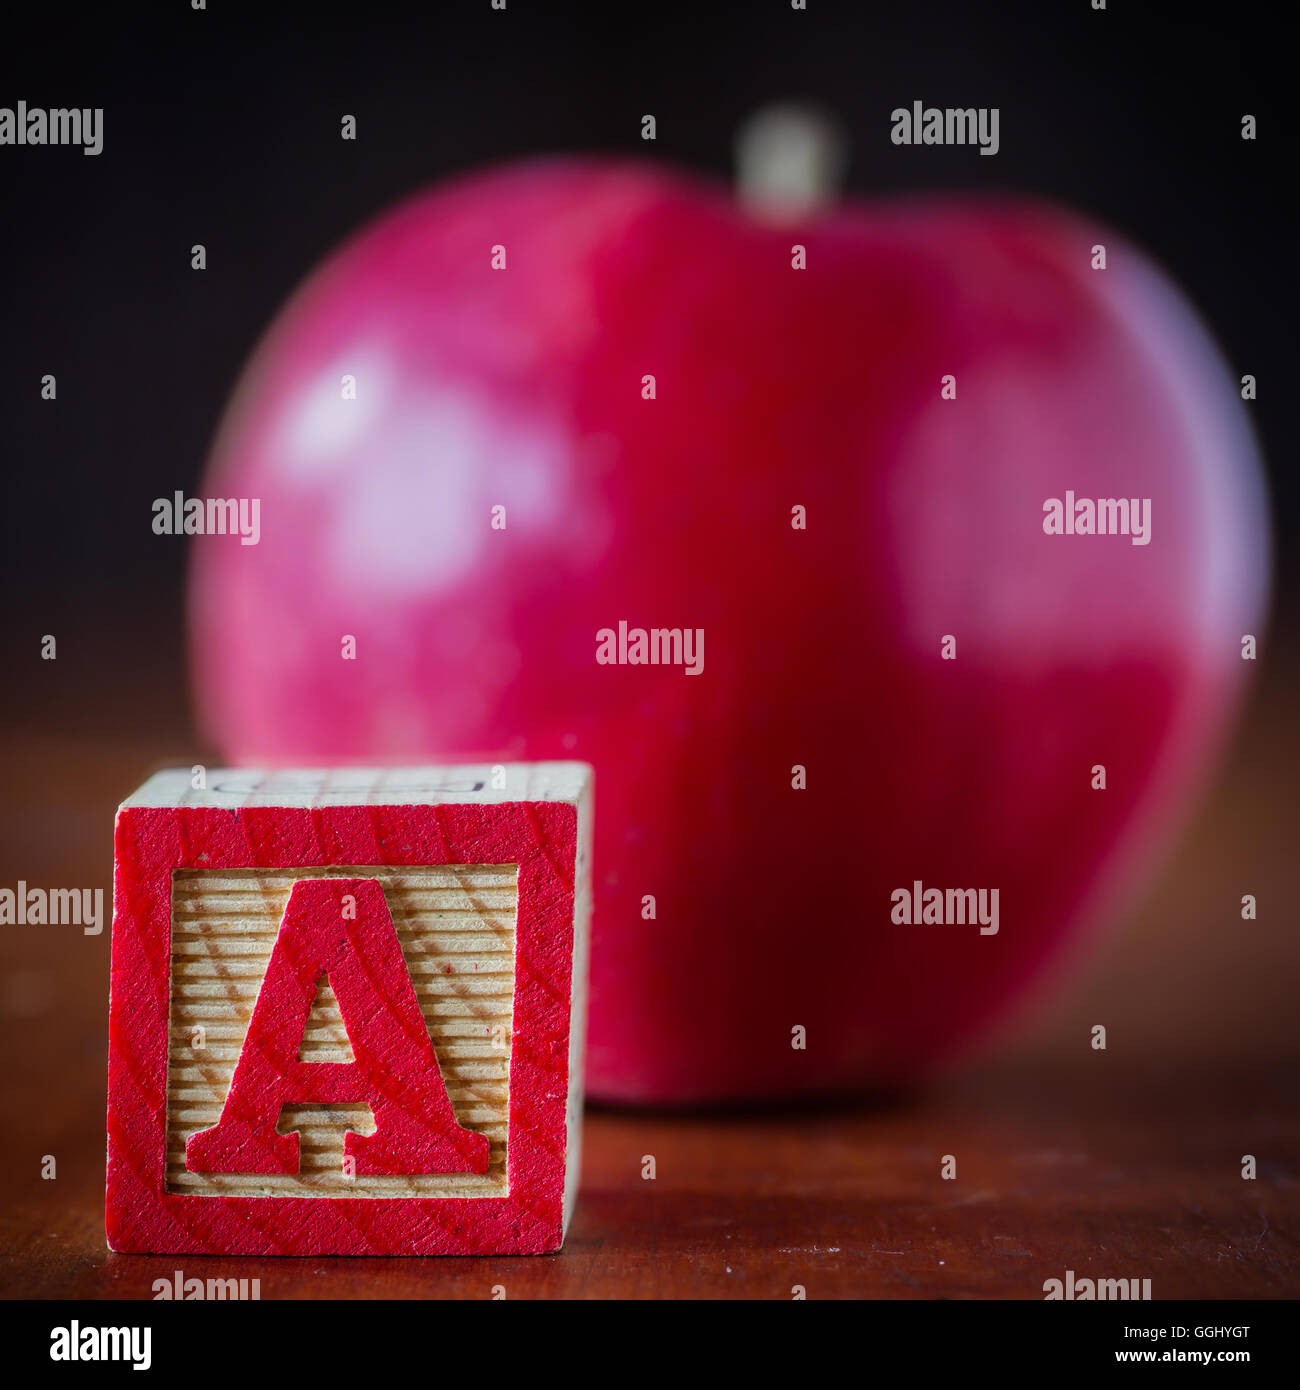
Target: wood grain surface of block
[456, 926]
[347, 1011]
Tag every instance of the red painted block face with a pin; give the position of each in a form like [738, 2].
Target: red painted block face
[347, 1011]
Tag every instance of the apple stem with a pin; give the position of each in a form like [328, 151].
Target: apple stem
[790, 161]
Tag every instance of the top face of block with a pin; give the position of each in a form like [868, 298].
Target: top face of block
[311, 788]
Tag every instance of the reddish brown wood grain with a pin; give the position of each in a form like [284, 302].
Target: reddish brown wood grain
[847, 1203]
[1118, 1164]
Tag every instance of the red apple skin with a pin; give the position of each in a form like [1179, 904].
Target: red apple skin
[775, 388]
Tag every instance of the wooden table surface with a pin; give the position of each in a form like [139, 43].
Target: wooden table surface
[1119, 1164]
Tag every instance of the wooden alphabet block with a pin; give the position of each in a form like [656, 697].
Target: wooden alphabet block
[347, 1011]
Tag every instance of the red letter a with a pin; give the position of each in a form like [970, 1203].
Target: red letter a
[395, 1072]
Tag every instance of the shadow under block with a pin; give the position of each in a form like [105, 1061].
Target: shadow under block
[347, 1011]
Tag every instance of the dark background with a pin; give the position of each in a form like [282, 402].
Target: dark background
[222, 127]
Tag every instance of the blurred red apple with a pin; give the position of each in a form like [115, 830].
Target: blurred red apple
[775, 388]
